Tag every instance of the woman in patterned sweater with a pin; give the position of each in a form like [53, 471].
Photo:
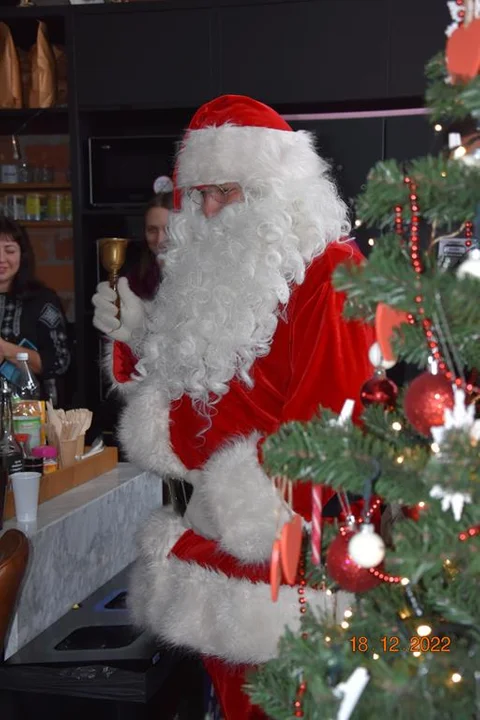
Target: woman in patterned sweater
[29, 311]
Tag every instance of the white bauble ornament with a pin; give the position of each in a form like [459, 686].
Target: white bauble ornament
[376, 358]
[366, 548]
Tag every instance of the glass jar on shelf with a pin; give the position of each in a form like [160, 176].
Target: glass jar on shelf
[36, 174]
[67, 207]
[47, 174]
[24, 173]
[56, 207]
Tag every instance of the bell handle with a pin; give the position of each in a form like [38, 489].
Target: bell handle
[113, 282]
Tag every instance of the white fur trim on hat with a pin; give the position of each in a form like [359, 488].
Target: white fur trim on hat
[196, 607]
[247, 155]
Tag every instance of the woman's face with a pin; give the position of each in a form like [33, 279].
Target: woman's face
[10, 256]
[155, 223]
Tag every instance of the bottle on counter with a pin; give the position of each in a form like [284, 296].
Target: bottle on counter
[27, 408]
[11, 459]
[28, 387]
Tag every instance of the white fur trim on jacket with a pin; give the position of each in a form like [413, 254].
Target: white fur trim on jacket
[144, 431]
[247, 155]
[195, 607]
[107, 367]
[240, 500]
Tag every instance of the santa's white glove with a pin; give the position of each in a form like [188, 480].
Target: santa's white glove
[132, 311]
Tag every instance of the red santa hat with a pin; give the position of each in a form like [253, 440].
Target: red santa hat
[236, 139]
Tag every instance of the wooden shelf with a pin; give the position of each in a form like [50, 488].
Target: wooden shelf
[26, 187]
[123, 210]
[27, 113]
[45, 223]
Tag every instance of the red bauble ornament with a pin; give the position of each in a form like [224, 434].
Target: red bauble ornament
[344, 571]
[379, 390]
[426, 400]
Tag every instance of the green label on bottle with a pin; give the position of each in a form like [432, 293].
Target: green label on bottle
[29, 426]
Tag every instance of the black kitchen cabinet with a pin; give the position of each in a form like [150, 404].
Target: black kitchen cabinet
[304, 52]
[417, 33]
[157, 58]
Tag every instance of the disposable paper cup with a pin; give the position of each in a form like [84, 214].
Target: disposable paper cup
[68, 451]
[26, 486]
[80, 444]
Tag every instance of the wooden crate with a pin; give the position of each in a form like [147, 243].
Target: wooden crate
[61, 481]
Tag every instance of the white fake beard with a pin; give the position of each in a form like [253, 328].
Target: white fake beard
[225, 281]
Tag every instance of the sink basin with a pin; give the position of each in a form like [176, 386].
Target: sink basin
[119, 602]
[99, 637]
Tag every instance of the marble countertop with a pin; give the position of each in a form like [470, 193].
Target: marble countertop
[80, 541]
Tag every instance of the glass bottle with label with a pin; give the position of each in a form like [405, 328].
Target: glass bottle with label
[11, 459]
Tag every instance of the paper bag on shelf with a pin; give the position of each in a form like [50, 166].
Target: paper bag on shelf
[10, 76]
[61, 73]
[43, 90]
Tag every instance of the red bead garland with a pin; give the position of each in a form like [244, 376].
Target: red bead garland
[417, 266]
[374, 506]
[385, 577]
[399, 220]
[468, 234]
[471, 532]
[298, 704]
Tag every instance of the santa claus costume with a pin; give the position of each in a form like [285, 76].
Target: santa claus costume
[246, 333]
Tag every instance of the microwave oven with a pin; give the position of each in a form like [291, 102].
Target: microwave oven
[122, 170]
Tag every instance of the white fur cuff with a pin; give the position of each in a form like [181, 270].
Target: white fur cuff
[243, 504]
[144, 430]
[191, 606]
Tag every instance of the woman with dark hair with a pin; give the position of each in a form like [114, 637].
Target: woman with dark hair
[146, 276]
[30, 313]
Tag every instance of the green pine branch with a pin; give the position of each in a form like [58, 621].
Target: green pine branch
[447, 189]
[447, 102]
[388, 278]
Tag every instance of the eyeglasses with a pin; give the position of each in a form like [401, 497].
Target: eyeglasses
[218, 193]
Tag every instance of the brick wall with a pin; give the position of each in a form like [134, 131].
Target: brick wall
[53, 247]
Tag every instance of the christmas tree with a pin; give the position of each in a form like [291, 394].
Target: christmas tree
[409, 644]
